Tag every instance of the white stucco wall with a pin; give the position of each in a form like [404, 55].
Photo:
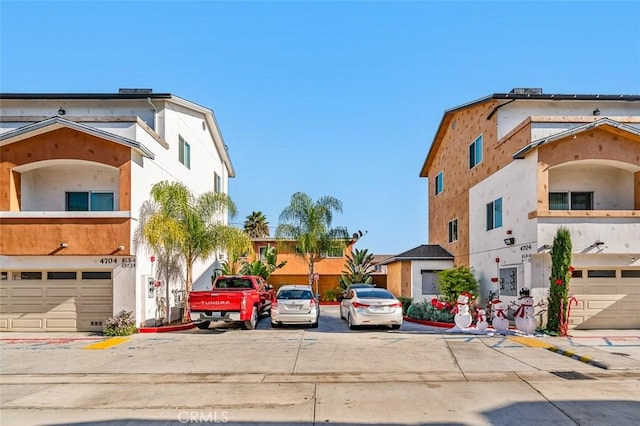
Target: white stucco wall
[517, 185]
[416, 276]
[509, 116]
[43, 189]
[612, 187]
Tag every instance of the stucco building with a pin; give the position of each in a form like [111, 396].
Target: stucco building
[507, 170]
[74, 171]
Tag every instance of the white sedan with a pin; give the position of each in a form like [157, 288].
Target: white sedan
[371, 306]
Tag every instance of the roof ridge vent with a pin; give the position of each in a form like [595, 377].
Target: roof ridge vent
[131, 91]
[526, 91]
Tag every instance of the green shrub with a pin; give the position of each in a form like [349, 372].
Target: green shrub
[333, 294]
[123, 324]
[406, 302]
[431, 310]
[453, 282]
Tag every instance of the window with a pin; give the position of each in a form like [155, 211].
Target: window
[601, 273]
[27, 275]
[184, 154]
[475, 152]
[494, 214]
[217, 182]
[61, 275]
[89, 201]
[429, 282]
[88, 275]
[439, 183]
[262, 251]
[453, 230]
[576, 273]
[333, 252]
[630, 273]
[570, 200]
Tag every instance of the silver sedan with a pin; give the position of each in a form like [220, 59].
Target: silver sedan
[295, 304]
[371, 306]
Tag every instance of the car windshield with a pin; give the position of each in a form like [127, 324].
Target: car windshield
[361, 286]
[295, 294]
[374, 294]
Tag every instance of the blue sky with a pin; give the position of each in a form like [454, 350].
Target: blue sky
[337, 98]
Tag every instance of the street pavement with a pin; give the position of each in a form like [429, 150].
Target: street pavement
[329, 375]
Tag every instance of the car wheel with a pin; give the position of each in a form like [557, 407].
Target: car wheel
[395, 326]
[350, 322]
[275, 325]
[203, 325]
[253, 322]
[315, 324]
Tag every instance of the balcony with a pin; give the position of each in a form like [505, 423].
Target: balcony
[74, 203]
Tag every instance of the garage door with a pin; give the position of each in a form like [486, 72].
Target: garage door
[55, 300]
[607, 298]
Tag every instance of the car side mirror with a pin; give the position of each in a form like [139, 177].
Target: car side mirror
[269, 287]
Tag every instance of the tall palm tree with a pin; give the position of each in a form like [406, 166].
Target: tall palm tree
[305, 226]
[180, 222]
[256, 225]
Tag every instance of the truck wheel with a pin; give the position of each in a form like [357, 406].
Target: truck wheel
[253, 322]
[203, 325]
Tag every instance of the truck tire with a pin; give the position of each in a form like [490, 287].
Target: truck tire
[253, 322]
[203, 325]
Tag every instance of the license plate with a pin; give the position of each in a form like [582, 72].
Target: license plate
[379, 308]
[216, 314]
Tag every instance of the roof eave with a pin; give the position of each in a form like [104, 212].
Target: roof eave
[58, 122]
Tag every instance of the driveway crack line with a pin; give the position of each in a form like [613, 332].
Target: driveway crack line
[546, 399]
[295, 364]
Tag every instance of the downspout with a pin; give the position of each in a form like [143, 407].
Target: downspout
[155, 112]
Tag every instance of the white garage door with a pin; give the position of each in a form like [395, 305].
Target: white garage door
[55, 300]
[607, 298]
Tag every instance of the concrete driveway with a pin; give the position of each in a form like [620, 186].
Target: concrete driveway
[328, 375]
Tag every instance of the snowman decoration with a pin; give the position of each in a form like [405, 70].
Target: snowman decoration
[525, 321]
[463, 317]
[481, 319]
[500, 321]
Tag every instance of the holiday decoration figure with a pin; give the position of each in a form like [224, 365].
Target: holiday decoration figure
[525, 321]
[500, 321]
[463, 316]
[481, 319]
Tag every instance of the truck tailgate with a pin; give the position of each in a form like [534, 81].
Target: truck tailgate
[216, 300]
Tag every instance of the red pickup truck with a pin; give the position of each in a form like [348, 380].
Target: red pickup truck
[240, 298]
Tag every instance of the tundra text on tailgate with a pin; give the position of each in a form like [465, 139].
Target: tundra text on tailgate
[231, 298]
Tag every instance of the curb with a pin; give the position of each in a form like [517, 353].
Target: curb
[430, 323]
[578, 357]
[166, 328]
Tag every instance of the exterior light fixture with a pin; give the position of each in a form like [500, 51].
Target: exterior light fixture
[61, 111]
[509, 241]
[596, 111]
[598, 243]
[120, 248]
[64, 245]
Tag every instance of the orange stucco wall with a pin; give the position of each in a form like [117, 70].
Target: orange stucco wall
[399, 278]
[42, 236]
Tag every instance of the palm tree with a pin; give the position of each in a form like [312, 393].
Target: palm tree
[177, 222]
[256, 225]
[308, 224]
[238, 245]
[359, 267]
